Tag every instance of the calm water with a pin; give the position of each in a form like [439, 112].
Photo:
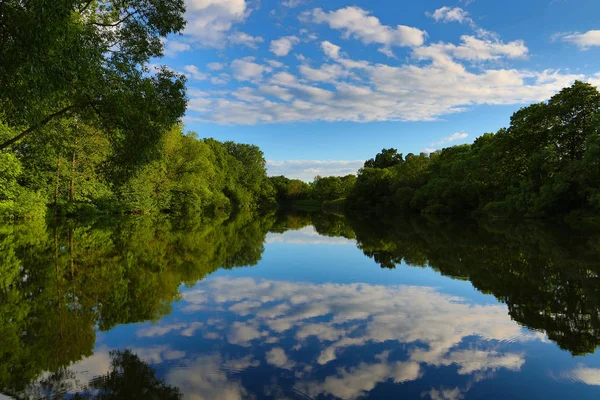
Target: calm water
[298, 307]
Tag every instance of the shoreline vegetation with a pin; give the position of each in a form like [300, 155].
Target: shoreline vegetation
[545, 165]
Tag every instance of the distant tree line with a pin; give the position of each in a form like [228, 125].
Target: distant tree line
[321, 188]
[545, 164]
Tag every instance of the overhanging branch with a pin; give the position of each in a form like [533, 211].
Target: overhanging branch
[39, 125]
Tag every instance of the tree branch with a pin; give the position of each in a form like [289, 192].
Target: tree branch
[102, 121]
[85, 6]
[38, 125]
[118, 22]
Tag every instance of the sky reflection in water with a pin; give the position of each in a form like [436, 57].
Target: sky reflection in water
[252, 333]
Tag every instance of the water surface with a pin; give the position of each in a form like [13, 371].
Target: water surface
[298, 306]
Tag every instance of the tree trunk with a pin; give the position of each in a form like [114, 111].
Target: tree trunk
[57, 187]
[72, 185]
[57, 274]
[72, 259]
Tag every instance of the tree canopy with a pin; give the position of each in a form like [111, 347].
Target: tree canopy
[78, 173]
[90, 58]
[545, 164]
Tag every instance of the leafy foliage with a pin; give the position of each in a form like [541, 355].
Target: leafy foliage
[386, 159]
[90, 58]
[544, 165]
[290, 189]
[71, 167]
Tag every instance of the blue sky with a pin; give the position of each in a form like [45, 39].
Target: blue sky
[322, 85]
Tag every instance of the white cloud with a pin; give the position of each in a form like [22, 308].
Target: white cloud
[275, 64]
[191, 329]
[380, 313]
[157, 354]
[595, 80]
[445, 141]
[222, 79]
[247, 70]
[430, 325]
[289, 87]
[245, 39]
[173, 47]
[238, 365]
[470, 361]
[215, 66]
[454, 137]
[282, 46]
[326, 73]
[436, 80]
[307, 236]
[583, 40]
[242, 334]
[159, 330]
[451, 14]
[473, 49]
[330, 49]
[306, 170]
[192, 72]
[183, 329]
[437, 84]
[589, 376]
[200, 104]
[355, 382]
[386, 93]
[277, 357]
[292, 3]
[209, 21]
[387, 51]
[358, 23]
[444, 394]
[84, 371]
[247, 94]
[203, 378]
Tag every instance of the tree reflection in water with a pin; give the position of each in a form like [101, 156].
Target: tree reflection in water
[60, 282]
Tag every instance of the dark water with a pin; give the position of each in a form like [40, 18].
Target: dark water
[298, 307]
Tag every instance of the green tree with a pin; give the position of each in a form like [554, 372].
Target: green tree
[387, 158]
[17, 201]
[541, 166]
[76, 57]
[327, 188]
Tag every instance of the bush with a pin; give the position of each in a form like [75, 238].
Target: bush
[27, 205]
